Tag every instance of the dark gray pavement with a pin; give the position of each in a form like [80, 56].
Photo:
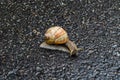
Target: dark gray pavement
[93, 25]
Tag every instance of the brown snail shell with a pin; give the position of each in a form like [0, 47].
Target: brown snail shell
[55, 36]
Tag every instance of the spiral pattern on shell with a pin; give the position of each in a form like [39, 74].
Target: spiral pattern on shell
[56, 35]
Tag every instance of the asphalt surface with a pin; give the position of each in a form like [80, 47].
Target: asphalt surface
[93, 25]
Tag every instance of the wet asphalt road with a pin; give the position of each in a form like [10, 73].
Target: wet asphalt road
[93, 25]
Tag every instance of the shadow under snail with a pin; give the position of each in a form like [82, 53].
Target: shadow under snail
[56, 38]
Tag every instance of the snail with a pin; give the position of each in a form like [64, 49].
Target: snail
[56, 37]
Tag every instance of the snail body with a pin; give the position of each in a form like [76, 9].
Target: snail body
[57, 35]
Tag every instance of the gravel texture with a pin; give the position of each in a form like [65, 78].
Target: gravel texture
[93, 25]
